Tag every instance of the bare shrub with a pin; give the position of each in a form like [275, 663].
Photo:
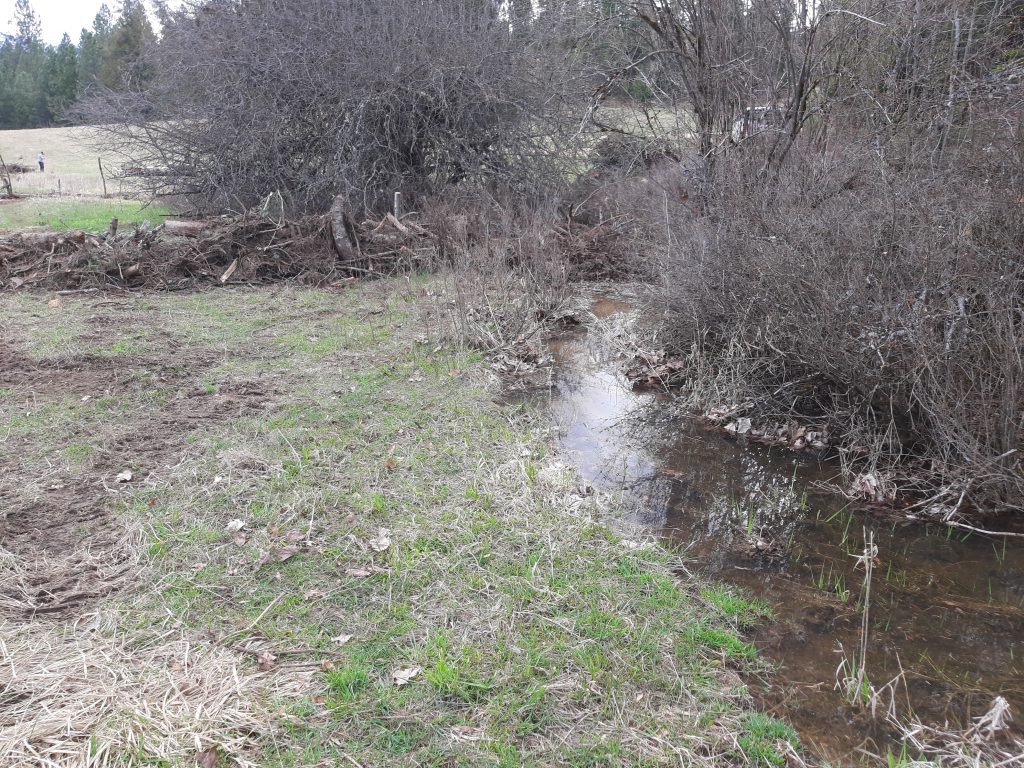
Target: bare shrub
[315, 98]
[507, 274]
[895, 302]
[860, 263]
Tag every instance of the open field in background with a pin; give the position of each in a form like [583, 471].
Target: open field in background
[71, 167]
[676, 125]
[291, 527]
[68, 195]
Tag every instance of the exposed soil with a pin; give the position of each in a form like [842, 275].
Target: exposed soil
[58, 520]
[88, 374]
[156, 443]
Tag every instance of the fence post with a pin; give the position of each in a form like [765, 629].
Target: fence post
[5, 178]
[99, 161]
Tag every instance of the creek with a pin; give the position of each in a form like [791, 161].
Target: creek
[947, 609]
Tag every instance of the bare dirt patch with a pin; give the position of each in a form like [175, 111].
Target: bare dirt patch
[66, 545]
[157, 441]
[92, 374]
[69, 550]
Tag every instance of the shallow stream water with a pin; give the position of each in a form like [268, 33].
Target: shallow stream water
[946, 609]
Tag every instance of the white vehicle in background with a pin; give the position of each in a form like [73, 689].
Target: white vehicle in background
[755, 120]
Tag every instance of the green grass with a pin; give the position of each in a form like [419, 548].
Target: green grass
[764, 740]
[745, 611]
[539, 635]
[90, 214]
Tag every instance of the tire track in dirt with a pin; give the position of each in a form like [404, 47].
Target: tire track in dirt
[63, 545]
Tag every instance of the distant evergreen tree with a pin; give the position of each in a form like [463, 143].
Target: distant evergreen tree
[92, 44]
[23, 56]
[124, 65]
[60, 80]
[30, 30]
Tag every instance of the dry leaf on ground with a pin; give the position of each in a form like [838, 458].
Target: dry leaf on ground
[403, 676]
[467, 733]
[275, 555]
[234, 526]
[362, 573]
[381, 541]
[266, 661]
[208, 758]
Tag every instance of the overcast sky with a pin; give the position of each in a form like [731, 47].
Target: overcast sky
[60, 16]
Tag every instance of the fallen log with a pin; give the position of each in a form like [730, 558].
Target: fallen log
[185, 227]
[48, 239]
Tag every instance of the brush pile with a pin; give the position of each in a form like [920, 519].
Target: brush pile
[250, 248]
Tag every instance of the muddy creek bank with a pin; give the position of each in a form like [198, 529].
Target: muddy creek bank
[947, 609]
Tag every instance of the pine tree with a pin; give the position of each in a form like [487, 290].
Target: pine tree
[61, 77]
[27, 23]
[124, 65]
[22, 64]
[92, 44]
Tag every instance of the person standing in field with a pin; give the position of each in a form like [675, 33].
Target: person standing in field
[41, 159]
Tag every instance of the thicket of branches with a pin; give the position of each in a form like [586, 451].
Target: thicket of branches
[860, 260]
[315, 98]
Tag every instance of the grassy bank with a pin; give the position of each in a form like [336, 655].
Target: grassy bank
[288, 527]
[93, 214]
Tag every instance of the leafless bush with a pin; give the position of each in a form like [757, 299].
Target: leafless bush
[315, 98]
[507, 273]
[860, 262]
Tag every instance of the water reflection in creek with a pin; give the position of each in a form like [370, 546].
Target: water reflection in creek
[947, 610]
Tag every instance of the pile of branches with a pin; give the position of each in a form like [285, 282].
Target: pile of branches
[249, 248]
[384, 246]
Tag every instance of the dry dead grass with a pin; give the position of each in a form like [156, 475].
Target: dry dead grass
[71, 160]
[93, 694]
